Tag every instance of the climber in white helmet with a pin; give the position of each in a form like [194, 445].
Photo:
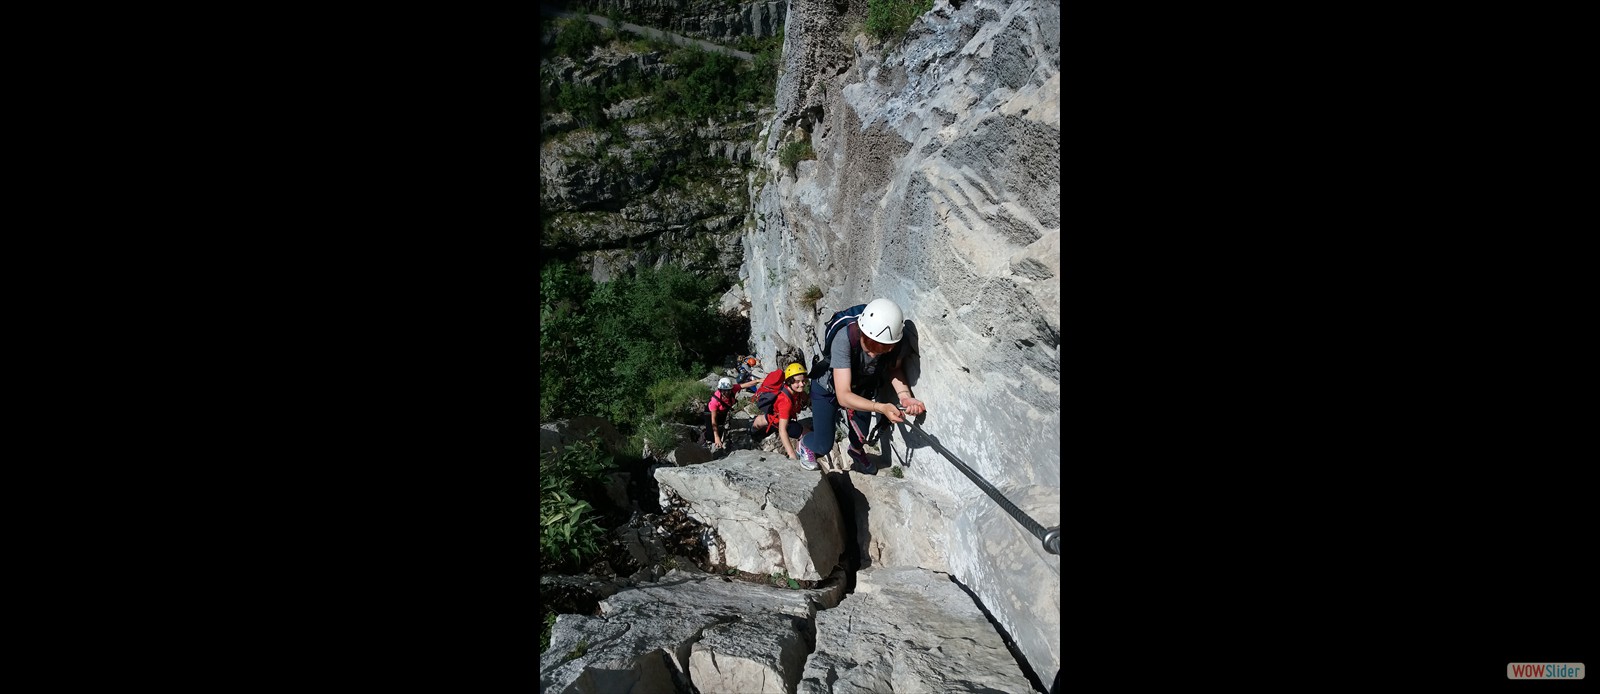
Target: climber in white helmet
[722, 400]
[864, 350]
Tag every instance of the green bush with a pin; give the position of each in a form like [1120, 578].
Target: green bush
[888, 19]
[544, 636]
[602, 347]
[679, 399]
[792, 153]
[614, 16]
[710, 85]
[759, 84]
[586, 103]
[570, 534]
[660, 437]
[577, 38]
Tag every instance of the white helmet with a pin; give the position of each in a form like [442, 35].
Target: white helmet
[725, 384]
[882, 321]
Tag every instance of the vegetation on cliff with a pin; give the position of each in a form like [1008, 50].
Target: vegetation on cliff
[622, 350]
[888, 19]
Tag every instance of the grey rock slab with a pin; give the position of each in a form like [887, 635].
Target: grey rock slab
[761, 654]
[654, 637]
[908, 630]
[900, 523]
[768, 514]
[722, 595]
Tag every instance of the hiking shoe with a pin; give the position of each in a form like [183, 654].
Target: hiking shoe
[808, 460]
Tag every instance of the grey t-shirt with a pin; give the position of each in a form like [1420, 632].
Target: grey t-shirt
[839, 358]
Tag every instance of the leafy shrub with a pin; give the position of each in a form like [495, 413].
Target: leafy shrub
[614, 16]
[678, 399]
[585, 102]
[602, 347]
[794, 152]
[577, 38]
[758, 83]
[709, 86]
[569, 530]
[888, 19]
[544, 636]
[660, 437]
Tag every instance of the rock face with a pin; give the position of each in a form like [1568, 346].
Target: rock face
[632, 189]
[908, 630]
[936, 184]
[893, 519]
[768, 514]
[689, 628]
[722, 22]
[1009, 570]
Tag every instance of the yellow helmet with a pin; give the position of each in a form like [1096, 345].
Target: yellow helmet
[793, 369]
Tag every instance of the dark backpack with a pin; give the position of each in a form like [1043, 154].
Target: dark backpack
[840, 320]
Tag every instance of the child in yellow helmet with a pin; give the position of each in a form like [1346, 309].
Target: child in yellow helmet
[785, 404]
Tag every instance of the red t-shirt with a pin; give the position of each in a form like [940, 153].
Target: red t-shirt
[782, 408]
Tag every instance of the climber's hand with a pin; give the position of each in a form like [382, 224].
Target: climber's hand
[913, 406]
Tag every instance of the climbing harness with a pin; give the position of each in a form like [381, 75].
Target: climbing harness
[1049, 537]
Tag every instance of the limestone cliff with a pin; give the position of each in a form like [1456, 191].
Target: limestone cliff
[936, 183]
[630, 185]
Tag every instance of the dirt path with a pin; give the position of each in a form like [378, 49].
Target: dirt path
[652, 33]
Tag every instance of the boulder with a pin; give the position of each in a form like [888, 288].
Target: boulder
[689, 454]
[655, 637]
[908, 630]
[734, 302]
[761, 654]
[768, 514]
[642, 544]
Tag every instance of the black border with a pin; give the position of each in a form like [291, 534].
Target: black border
[1324, 283]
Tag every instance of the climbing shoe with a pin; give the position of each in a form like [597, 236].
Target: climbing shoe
[808, 460]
